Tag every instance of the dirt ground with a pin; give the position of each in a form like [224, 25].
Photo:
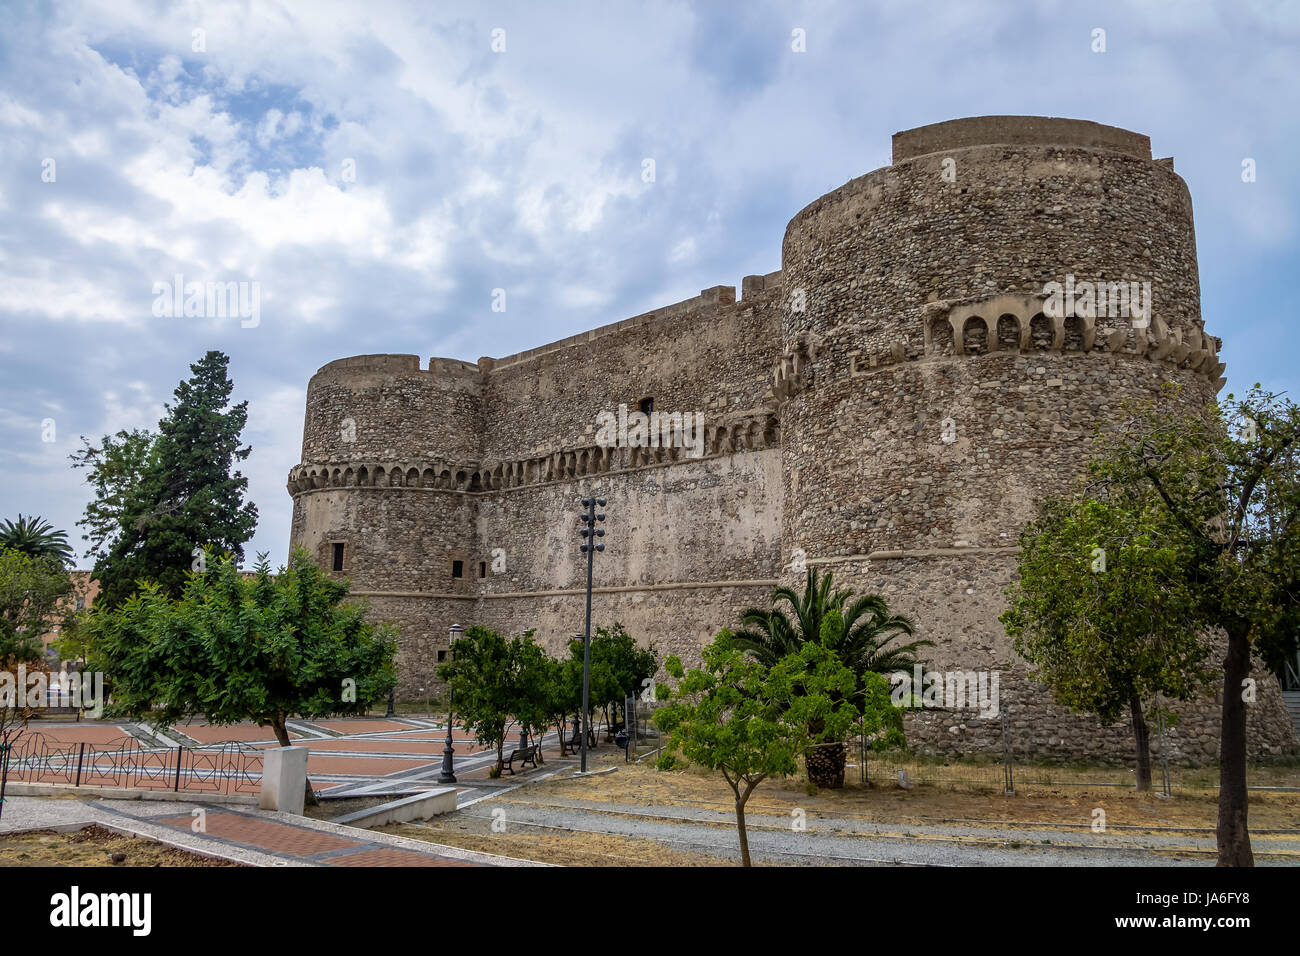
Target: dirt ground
[926, 803]
[569, 849]
[93, 846]
[1055, 805]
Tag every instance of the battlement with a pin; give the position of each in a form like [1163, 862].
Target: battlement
[1017, 131]
[738, 433]
[717, 297]
[372, 363]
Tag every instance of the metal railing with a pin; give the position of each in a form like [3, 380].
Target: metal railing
[227, 768]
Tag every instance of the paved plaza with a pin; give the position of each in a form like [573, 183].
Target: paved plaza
[348, 759]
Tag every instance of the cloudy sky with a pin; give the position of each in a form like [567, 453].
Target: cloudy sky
[380, 167]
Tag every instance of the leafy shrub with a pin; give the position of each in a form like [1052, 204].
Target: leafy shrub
[667, 762]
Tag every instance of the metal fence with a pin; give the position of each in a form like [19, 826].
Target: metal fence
[124, 762]
[643, 737]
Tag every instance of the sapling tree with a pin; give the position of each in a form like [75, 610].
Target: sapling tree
[1103, 610]
[749, 721]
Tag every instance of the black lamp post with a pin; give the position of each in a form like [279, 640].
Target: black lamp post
[449, 752]
[589, 548]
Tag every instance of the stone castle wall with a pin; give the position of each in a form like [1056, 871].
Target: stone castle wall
[891, 405]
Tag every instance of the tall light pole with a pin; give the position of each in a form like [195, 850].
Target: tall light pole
[449, 752]
[589, 547]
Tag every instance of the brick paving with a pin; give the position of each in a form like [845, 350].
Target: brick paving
[395, 757]
[386, 745]
[361, 766]
[77, 733]
[215, 734]
[390, 857]
[263, 834]
[360, 726]
[305, 843]
[348, 765]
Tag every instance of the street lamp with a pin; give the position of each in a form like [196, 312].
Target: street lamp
[590, 533]
[448, 752]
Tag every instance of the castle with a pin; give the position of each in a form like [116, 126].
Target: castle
[889, 406]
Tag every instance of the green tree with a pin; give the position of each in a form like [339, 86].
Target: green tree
[37, 538]
[1104, 612]
[565, 687]
[487, 679]
[31, 592]
[618, 667]
[232, 648]
[116, 470]
[185, 498]
[535, 676]
[864, 639]
[750, 722]
[1225, 478]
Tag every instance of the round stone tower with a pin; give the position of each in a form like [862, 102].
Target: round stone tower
[944, 392]
[388, 448]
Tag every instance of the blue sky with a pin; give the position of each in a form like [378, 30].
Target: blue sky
[520, 169]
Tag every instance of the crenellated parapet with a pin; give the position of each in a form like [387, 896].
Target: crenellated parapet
[1021, 324]
[734, 434]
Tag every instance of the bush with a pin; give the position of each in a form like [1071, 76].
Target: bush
[667, 762]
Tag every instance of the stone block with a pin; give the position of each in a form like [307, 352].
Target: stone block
[284, 779]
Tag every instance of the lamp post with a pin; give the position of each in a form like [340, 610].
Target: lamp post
[449, 752]
[589, 548]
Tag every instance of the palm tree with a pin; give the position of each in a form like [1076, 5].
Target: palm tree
[864, 642]
[36, 537]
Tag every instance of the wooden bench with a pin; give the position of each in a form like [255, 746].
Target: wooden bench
[573, 743]
[525, 756]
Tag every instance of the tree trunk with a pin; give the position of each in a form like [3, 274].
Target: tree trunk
[1142, 740]
[282, 736]
[740, 828]
[1232, 834]
[501, 757]
[741, 799]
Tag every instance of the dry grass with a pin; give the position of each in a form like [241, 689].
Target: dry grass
[561, 849]
[888, 803]
[1050, 806]
[93, 846]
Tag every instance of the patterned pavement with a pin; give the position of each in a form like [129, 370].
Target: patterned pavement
[347, 758]
[353, 757]
[304, 843]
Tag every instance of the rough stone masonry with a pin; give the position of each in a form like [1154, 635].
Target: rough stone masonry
[889, 406]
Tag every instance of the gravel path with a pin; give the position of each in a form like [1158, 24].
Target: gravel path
[840, 841]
